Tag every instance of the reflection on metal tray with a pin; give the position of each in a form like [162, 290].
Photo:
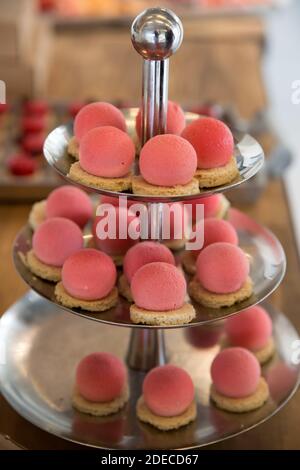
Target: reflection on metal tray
[35, 332]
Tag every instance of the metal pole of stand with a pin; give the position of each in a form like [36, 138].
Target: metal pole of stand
[156, 34]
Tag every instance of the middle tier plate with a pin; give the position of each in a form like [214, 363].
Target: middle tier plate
[248, 153]
[267, 268]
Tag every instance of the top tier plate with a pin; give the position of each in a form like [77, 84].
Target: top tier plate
[248, 152]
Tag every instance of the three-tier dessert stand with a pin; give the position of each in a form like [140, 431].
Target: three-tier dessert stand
[41, 343]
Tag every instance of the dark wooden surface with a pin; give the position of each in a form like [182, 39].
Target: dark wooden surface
[280, 432]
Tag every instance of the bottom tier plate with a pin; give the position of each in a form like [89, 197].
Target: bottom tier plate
[41, 345]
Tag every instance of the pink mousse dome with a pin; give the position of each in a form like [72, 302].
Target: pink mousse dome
[100, 377]
[211, 205]
[97, 115]
[235, 372]
[69, 202]
[222, 268]
[250, 329]
[107, 152]
[55, 240]
[175, 120]
[212, 140]
[145, 253]
[167, 160]
[168, 390]
[117, 245]
[158, 287]
[216, 230]
[89, 274]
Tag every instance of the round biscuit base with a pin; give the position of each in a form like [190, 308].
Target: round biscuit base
[73, 148]
[165, 423]
[37, 214]
[212, 177]
[40, 269]
[99, 305]
[140, 186]
[264, 354]
[78, 175]
[124, 288]
[97, 408]
[242, 405]
[212, 300]
[188, 262]
[180, 316]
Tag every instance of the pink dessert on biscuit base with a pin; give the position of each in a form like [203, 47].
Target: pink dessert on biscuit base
[214, 145]
[52, 243]
[252, 329]
[168, 398]
[167, 166]
[159, 291]
[138, 256]
[65, 201]
[237, 384]
[97, 115]
[106, 156]
[222, 276]
[88, 281]
[100, 384]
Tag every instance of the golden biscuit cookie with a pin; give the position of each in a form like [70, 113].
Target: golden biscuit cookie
[180, 316]
[264, 354]
[176, 244]
[73, 148]
[140, 186]
[165, 423]
[124, 288]
[242, 405]
[212, 300]
[188, 261]
[97, 408]
[99, 305]
[77, 174]
[211, 177]
[37, 214]
[40, 269]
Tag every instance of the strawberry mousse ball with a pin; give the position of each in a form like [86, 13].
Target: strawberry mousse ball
[144, 253]
[251, 329]
[89, 274]
[97, 115]
[115, 245]
[216, 230]
[168, 160]
[168, 390]
[222, 268]
[175, 120]
[100, 377]
[55, 240]
[211, 205]
[212, 140]
[235, 373]
[69, 202]
[158, 287]
[107, 152]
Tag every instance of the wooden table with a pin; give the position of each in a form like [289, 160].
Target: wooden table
[280, 432]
